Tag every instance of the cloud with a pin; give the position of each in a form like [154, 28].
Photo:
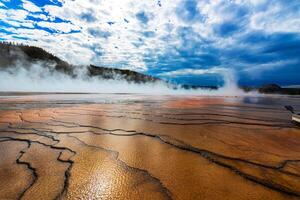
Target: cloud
[158, 37]
[31, 7]
[2, 4]
[96, 32]
[9, 15]
[277, 16]
[182, 72]
[259, 69]
[63, 27]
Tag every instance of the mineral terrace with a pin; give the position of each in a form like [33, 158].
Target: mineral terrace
[100, 146]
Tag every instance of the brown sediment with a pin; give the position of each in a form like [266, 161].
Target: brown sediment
[111, 178]
[142, 147]
[188, 176]
[11, 169]
[293, 167]
[45, 170]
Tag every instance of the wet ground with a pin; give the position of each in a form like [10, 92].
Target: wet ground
[104, 146]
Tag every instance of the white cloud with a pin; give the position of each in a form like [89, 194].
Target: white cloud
[259, 69]
[2, 5]
[39, 16]
[126, 46]
[16, 18]
[183, 72]
[62, 27]
[31, 7]
[277, 18]
[13, 15]
[121, 46]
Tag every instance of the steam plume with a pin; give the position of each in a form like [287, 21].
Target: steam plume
[36, 78]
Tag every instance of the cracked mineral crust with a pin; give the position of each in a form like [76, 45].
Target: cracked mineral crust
[105, 146]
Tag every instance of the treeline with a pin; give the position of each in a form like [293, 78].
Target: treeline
[33, 53]
[11, 51]
[9, 43]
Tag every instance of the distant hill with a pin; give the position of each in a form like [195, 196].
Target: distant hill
[276, 89]
[12, 54]
[112, 73]
[273, 89]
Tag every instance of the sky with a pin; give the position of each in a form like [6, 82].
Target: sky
[185, 41]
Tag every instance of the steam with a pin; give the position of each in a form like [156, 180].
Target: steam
[38, 78]
[230, 83]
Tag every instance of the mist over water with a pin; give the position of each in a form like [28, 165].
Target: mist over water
[36, 78]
